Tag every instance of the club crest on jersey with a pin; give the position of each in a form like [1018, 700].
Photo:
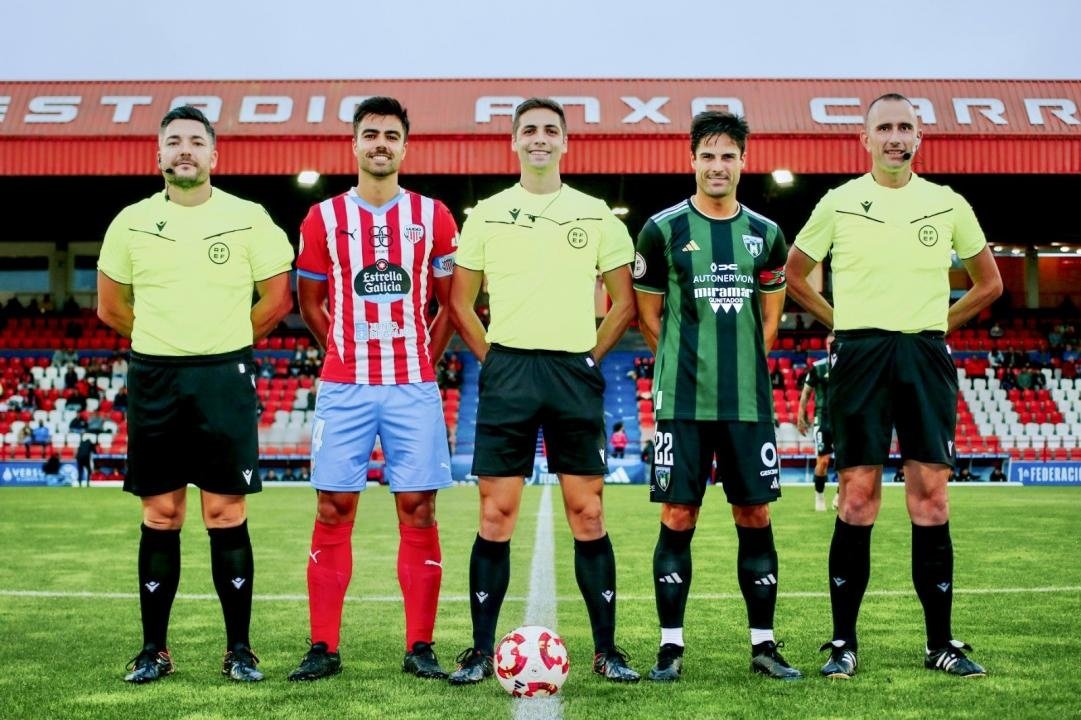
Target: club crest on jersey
[663, 476]
[413, 233]
[754, 244]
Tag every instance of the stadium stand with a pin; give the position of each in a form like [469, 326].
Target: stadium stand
[1020, 392]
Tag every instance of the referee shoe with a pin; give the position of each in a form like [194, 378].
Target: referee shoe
[473, 666]
[239, 665]
[612, 664]
[953, 661]
[149, 665]
[842, 662]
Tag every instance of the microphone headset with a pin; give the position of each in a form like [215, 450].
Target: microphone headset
[906, 156]
[170, 171]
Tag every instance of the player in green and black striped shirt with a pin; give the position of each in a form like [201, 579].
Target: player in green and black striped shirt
[817, 381]
[709, 281]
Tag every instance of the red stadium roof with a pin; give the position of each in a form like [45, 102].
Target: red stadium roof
[462, 126]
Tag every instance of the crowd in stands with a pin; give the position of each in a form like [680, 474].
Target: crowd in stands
[63, 380]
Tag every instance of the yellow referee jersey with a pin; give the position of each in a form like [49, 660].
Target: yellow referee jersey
[891, 251]
[193, 270]
[541, 255]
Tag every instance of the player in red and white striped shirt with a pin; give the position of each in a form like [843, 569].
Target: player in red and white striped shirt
[370, 261]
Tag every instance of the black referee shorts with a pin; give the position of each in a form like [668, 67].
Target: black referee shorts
[192, 420]
[881, 380]
[524, 390]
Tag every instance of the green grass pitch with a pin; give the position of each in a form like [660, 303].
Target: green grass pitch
[69, 617]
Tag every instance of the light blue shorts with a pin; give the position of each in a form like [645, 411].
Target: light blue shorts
[409, 422]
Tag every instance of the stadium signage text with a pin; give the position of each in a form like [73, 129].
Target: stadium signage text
[1046, 473]
[277, 109]
[485, 106]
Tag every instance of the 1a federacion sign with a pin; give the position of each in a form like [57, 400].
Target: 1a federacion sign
[620, 126]
[1046, 473]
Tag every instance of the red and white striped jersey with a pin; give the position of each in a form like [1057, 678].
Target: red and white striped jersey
[378, 264]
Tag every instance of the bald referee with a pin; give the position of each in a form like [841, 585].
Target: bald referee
[891, 235]
[176, 275]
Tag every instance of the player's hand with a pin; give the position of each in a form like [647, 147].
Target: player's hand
[802, 425]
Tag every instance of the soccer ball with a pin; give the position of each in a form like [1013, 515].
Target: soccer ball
[531, 662]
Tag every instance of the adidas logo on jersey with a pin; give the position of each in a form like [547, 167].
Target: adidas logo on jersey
[691, 247]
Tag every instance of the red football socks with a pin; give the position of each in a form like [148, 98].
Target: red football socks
[420, 573]
[330, 567]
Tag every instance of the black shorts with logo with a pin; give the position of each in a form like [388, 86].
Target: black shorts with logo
[523, 390]
[192, 420]
[823, 435]
[881, 380]
[747, 462]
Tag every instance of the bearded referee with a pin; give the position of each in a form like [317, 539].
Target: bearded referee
[176, 275]
[891, 236]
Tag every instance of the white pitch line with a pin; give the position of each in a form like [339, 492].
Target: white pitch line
[540, 605]
[513, 598]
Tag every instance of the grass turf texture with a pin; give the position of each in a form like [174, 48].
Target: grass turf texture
[63, 656]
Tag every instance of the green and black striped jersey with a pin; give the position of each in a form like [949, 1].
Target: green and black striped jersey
[711, 358]
[818, 378]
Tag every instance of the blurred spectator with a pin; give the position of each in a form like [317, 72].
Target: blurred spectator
[647, 452]
[619, 440]
[997, 475]
[1054, 338]
[120, 400]
[298, 361]
[51, 468]
[95, 423]
[995, 359]
[14, 308]
[120, 367]
[303, 474]
[966, 475]
[78, 423]
[899, 476]
[71, 307]
[996, 330]
[71, 378]
[40, 435]
[1025, 379]
[65, 355]
[47, 304]
[288, 475]
[84, 460]
[1009, 380]
[271, 476]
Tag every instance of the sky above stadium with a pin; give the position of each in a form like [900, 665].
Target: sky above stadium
[318, 39]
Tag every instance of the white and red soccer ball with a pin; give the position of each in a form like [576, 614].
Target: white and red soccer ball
[531, 661]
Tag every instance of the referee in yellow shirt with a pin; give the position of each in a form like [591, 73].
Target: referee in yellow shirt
[541, 244]
[890, 236]
[176, 275]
